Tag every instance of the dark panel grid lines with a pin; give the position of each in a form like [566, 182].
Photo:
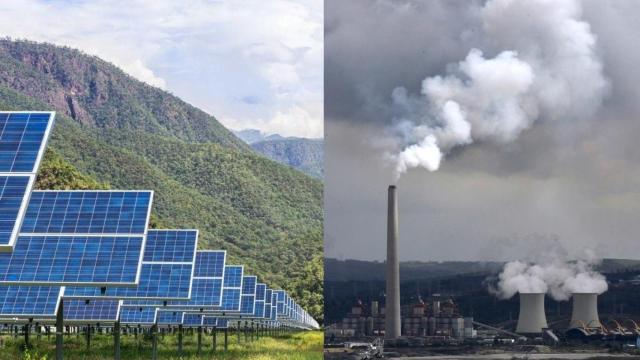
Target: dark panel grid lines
[171, 246]
[22, 139]
[13, 194]
[157, 281]
[29, 301]
[210, 264]
[134, 315]
[73, 260]
[87, 212]
[95, 310]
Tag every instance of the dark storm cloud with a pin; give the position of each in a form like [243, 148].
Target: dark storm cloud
[578, 180]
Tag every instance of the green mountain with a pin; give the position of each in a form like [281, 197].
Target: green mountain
[114, 131]
[306, 155]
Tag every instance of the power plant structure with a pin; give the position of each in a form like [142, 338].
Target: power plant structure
[585, 311]
[532, 318]
[392, 319]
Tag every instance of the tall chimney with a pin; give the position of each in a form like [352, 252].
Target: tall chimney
[392, 311]
[585, 311]
[532, 318]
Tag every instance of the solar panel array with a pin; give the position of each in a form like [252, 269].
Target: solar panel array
[167, 269]
[23, 137]
[93, 249]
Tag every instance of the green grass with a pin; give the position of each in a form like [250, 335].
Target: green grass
[294, 346]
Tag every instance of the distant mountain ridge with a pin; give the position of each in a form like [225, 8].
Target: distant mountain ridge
[114, 131]
[361, 270]
[306, 155]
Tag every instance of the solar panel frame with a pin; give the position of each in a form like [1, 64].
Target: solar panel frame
[67, 241]
[24, 297]
[30, 173]
[128, 315]
[76, 311]
[135, 293]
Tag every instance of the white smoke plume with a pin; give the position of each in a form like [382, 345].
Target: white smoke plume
[546, 67]
[553, 275]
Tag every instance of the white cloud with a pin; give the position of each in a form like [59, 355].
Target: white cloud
[211, 54]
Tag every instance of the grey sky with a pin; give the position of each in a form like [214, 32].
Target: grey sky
[576, 180]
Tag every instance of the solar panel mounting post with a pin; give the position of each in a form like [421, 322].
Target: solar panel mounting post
[215, 341]
[60, 330]
[154, 334]
[116, 340]
[180, 339]
[199, 339]
[226, 338]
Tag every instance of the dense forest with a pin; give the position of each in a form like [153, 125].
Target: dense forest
[113, 131]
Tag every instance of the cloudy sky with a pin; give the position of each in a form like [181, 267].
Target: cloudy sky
[251, 63]
[571, 171]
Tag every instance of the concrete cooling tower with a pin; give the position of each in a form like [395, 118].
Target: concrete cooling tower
[392, 307]
[532, 318]
[585, 311]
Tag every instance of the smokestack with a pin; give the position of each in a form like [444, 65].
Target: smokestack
[392, 312]
[532, 318]
[585, 311]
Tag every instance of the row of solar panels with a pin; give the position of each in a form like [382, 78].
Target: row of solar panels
[94, 250]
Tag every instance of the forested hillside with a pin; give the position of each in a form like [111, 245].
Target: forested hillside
[113, 131]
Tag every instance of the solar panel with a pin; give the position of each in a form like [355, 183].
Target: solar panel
[166, 273]
[260, 300]
[219, 323]
[169, 317]
[13, 194]
[23, 137]
[87, 212]
[138, 316]
[248, 296]
[192, 320]
[29, 301]
[94, 311]
[66, 260]
[210, 263]
[77, 248]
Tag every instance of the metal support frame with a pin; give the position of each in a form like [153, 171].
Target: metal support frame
[60, 331]
[116, 340]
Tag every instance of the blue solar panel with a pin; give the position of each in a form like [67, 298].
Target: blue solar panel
[22, 139]
[171, 246]
[204, 293]
[135, 315]
[209, 321]
[165, 275]
[29, 301]
[192, 319]
[13, 191]
[169, 317]
[60, 260]
[157, 281]
[23, 136]
[233, 276]
[248, 295]
[260, 291]
[210, 263]
[87, 212]
[230, 300]
[249, 285]
[93, 311]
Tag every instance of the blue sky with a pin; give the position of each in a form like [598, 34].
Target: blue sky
[251, 63]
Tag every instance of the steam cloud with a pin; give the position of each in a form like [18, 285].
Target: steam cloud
[553, 275]
[546, 67]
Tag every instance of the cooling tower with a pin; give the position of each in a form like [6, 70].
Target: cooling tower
[585, 311]
[392, 307]
[532, 318]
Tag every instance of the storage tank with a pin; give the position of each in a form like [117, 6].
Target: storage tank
[532, 318]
